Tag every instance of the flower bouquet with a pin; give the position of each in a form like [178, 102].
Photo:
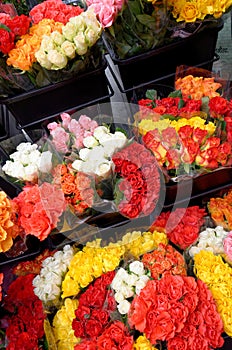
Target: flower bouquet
[187, 131]
[107, 297]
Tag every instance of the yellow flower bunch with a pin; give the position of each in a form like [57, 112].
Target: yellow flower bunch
[89, 264]
[62, 325]
[23, 55]
[148, 124]
[138, 243]
[192, 10]
[196, 122]
[217, 275]
[142, 343]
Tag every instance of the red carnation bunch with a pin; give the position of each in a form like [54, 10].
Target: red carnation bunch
[182, 225]
[138, 185]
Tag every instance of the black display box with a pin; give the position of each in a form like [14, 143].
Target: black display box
[41, 104]
[160, 63]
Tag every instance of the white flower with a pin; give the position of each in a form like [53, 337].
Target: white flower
[123, 307]
[57, 38]
[103, 170]
[58, 59]
[84, 153]
[47, 285]
[100, 131]
[77, 164]
[90, 142]
[132, 279]
[43, 60]
[69, 49]
[118, 297]
[137, 268]
[45, 163]
[141, 283]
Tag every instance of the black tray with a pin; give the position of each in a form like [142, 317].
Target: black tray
[160, 63]
[40, 104]
[207, 183]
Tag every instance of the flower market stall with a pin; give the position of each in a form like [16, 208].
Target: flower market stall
[114, 233]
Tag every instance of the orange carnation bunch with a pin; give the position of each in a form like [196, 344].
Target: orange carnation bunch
[197, 87]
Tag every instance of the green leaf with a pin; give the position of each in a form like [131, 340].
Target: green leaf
[148, 21]
[181, 104]
[151, 94]
[175, 93]
[3, 26]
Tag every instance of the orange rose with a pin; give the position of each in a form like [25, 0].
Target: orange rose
[6, 224]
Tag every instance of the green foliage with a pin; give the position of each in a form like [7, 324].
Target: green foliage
[139, 27]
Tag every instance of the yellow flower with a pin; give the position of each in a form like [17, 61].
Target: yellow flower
[217, 275]
[89, 264]
[147, 124]
[189, 12]
[62, 325]
[142, 343]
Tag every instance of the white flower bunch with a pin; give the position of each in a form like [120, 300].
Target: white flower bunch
[211, 239]
[128, 283]
[47, 285]
[27, 161]
[95, 157]
[78, 35]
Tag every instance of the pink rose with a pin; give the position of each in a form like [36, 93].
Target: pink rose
[76, 128]
[52, 126]
[87, 123]
[227, 243]
[106, 13]
[66, 119]
[60, 139]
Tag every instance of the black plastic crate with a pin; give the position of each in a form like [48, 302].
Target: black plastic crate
[41, 104]
[196, 188]
[196, 50]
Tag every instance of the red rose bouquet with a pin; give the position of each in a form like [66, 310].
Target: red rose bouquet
[138, 181]
[179, 310]
[182, 225]
[23, 311]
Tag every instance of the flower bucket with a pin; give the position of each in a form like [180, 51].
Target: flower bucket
[159, 64]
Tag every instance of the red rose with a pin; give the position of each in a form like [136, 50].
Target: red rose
[19, 25]
[159, 327]
[185, 132]
[199, 135]
[86, 345]
[218, 106]
[6, 41]
[128, 168]
[129, 210]
[169, 137]
[93, 328]
[173, 159]
[177, 343]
